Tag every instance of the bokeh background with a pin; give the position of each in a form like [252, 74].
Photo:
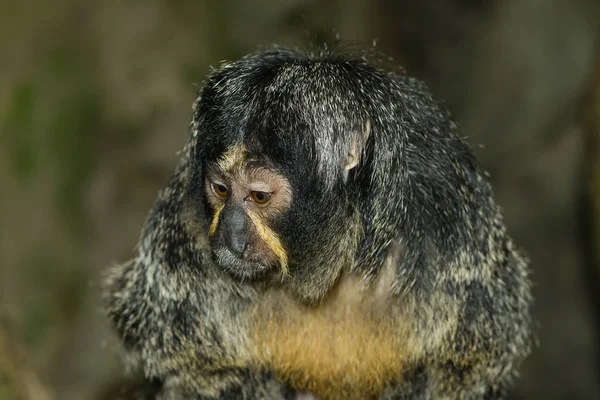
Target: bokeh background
[95, 100]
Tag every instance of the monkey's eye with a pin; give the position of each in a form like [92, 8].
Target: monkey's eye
[220, 190]
[260, 197]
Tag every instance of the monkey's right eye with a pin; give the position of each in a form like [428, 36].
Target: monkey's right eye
[220, 190]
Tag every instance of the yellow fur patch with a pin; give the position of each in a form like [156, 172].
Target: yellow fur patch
[215, 220]
[272, 240]
[235, 156]
[346, 348]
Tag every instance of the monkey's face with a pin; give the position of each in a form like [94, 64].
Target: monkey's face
[246, 197]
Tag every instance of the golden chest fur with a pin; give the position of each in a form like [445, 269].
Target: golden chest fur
[347, 347]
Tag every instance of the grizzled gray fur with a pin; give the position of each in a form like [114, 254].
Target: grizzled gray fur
[401, 281]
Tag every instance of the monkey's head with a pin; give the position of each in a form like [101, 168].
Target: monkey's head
[305, 165]
[278, 139]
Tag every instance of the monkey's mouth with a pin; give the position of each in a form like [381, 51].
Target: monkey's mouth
[238, 267]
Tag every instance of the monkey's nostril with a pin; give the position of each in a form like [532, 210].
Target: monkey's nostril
[247, 250]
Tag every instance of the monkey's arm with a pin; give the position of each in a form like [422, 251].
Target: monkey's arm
[472, 328]
[177, 341]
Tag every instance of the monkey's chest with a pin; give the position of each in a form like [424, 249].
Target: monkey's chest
[337, 351]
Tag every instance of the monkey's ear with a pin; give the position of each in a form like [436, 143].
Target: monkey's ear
[359, 140]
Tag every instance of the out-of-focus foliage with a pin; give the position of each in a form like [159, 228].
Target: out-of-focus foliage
[18, 381]
[95, 101]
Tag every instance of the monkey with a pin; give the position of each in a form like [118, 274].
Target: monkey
[327, 234]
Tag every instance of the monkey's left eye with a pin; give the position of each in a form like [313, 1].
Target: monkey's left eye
[220, 190]
[260, 197]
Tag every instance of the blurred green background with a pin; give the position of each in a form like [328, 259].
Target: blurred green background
[95, 100]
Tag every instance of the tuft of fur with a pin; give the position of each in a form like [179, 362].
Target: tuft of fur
[402, 281]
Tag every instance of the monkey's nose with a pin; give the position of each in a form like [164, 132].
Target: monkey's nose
[234, 230]
[238, 245]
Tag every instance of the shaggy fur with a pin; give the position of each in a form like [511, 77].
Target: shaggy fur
[401, 280]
